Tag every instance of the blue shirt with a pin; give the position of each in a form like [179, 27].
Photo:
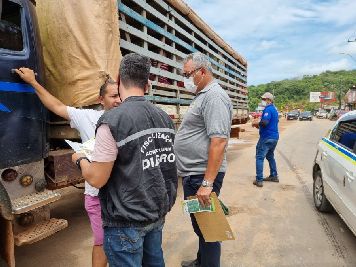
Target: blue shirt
[269, 123]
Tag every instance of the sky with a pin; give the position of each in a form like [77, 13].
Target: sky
[284, 39]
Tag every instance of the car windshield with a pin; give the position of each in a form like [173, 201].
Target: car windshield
[306, 113]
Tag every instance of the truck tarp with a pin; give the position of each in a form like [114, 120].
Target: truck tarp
[80, 42]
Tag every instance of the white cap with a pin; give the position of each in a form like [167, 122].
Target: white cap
[267, 95]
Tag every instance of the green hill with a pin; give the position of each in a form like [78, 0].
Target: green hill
[294, 93]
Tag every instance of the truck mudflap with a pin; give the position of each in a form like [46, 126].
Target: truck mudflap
[7, 243]
[5, 204]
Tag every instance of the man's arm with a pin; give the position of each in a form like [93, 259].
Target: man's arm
[105, 152]
[255, 123]
[217, 118]
[263, 123]
[48, 100]
[266, 117]
[215, 158]
[95, 173]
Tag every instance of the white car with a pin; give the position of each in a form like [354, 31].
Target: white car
[334, 170]
[322, 114]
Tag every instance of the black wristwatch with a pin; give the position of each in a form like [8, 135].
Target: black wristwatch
[77, 162]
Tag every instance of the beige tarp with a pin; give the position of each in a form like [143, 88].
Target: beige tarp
[80, 42]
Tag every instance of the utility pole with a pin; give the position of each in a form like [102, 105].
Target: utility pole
[347, 54]
[339, 95]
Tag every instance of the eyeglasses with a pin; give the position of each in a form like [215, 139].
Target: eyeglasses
[188, 74]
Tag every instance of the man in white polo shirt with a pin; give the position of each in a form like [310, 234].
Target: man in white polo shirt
[84, 120]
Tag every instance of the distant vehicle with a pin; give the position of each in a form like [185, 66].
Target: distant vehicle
[322, 114]
[306, 116]
[336, 114]
[334, 171]
[333, 115]
[293, 115]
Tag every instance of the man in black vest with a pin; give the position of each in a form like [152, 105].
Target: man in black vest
[134, 166]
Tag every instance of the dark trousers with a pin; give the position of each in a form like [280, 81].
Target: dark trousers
[209, 252]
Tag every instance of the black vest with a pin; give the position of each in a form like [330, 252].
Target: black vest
[142, 186]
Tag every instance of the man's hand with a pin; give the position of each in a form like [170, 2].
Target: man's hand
[203, 195]
[48, 100]
[256, 123]
[76, 156]
[27, 75]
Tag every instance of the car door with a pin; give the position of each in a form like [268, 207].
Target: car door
[348, 141]
[341, 161]
[350, 192]
[324, 148]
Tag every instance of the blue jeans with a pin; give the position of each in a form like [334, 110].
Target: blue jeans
[265, 149]
[134, 247]
[209, 252]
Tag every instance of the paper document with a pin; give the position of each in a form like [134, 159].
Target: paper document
[86, 148]
[194, 206]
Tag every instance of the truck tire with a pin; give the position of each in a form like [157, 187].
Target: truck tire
[320, 201]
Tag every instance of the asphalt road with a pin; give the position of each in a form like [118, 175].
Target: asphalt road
[298, 148]
[276, 225]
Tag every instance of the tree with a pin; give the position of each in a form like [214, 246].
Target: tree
[294, 93]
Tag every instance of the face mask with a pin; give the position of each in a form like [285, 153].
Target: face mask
[189, 85]
[263, 103]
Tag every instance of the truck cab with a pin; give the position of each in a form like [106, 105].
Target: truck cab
[23, 134]
[22, 116]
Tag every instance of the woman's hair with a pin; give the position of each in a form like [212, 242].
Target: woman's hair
[108, 80]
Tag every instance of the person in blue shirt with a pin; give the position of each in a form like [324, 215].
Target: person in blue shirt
[269, 135]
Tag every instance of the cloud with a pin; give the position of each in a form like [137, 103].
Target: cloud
[339, 12]
[315, 68]
[266, 45]
[284, 38]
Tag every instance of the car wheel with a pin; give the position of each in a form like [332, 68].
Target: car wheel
[320, 200]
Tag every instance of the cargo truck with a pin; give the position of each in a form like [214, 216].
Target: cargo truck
[34, 160]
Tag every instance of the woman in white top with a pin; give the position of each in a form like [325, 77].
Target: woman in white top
[84, 120]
